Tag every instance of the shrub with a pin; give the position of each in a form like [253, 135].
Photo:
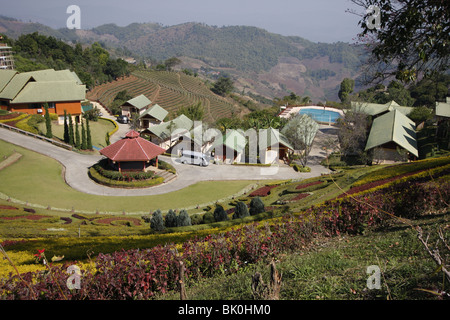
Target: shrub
[241, 210]
[208, 218]
[256, 206]
[183, 219]
[157, 222]
[171, 219]
[220, 214]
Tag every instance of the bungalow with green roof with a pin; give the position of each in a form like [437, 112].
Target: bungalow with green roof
[229, 148]
[376, 109]
[391, 132]
[28, 92]
[273, 146]
[148, 115]
[167, 134]
[137, 105]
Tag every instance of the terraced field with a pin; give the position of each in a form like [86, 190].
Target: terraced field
[171, 90]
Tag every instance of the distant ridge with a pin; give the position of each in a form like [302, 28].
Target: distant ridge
[260, 62]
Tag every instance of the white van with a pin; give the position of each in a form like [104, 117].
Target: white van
[194, 157]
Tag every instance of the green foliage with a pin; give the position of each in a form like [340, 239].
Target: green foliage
[420, 114]
[157, 222]
[183, 219]
[171, 219]
[220, 214]
[208, 217]
[347, 86]
[92, 65]
[194, 112]
[223, 86]
[88, 136]
[83, 136]
[241, 210]
[48, 122]
[66, 128]
[256, 206]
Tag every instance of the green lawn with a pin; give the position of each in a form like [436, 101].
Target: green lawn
[98, 131]
[37, 179]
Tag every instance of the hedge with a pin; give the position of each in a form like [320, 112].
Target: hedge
[97, 177]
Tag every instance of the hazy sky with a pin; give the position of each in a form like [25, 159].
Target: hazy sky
[316, 20]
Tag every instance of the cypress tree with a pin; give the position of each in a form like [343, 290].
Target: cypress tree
[66, 128]
[88, 136]
[77, 136]
[71, 135]
[48, 122]
[83, 137]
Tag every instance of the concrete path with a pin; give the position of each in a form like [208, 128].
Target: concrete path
[76, 168]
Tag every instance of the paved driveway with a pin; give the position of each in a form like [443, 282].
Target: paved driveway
[76, 168]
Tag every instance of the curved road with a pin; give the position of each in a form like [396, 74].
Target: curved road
[76, 168]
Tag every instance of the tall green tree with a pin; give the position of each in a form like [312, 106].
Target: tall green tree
[83, 136]
[183, 219]
[66, 128]
[171, 219]
[48, 122]
[194, 112]
[223, 86]
[88, 136]
[347, 86]
[71, 134]
[77, 136]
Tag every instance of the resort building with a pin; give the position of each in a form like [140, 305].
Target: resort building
[148, 115]
[273, 146]
[375, 109]
[132, 153]
[28, 92]
[168, 134]
[392, 134]
[230, 148]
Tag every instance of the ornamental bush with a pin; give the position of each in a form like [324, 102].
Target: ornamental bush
[183, 219]
[157, 221]
[171, 219]
[241, 210]
[256, 206]
[220, 214]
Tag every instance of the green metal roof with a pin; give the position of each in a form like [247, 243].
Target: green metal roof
[5, 77]
[443, 108]
[139, 102]
[393, 126]
[51, 91]
[166, 129]
[373, 109]
[156, 112]
[233, 139]
[273, 137]
[42, 86]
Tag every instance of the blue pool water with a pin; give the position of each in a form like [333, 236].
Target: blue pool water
[321, 115]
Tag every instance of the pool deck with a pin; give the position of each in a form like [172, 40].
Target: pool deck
[289, 111]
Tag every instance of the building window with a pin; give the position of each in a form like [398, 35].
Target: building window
[36, 106]
[51, 104]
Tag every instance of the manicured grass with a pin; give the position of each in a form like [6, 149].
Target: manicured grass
[98, 131]
[37, 179]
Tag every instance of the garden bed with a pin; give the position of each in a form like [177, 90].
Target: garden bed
[263, 191]
[112, 220]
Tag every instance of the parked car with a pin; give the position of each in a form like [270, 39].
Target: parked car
[122, 119]
[194, 157]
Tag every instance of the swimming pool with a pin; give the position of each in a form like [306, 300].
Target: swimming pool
[321, 115]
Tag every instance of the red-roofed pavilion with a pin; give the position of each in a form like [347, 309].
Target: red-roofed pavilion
[132, 153]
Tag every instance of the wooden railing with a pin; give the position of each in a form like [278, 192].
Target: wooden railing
[56, 143]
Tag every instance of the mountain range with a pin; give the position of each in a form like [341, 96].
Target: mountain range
[259, 62]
